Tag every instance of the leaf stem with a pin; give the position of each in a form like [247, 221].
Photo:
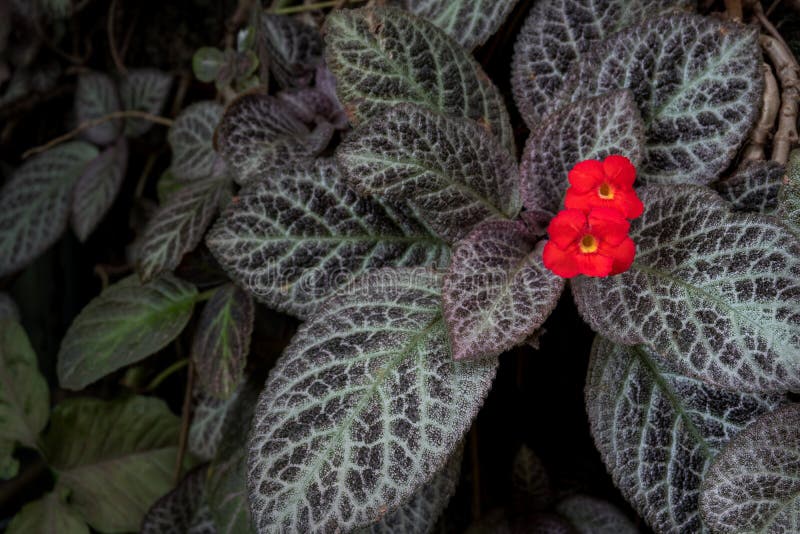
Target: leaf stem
[206, 295]
[186, 420]
[166, 373]
[312, 7]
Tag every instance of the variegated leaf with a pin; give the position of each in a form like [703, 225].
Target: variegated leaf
[191, 138]
[363, 408]
[449, 170]
[753, 485]
[208, 418]
[589, 515]
[183, 510]
[49, 515]
[143, 90]
[497, 292]
[697, 82]
[788, 209]
[291, 241]
[715, 292]
[754, 186]
[127, 322]
[35, 202]
[95, 97]
[384, 56]
[294, 49]
[97, 188]
[658, 430]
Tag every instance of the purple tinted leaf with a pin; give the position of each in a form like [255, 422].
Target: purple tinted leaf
[191, 138]
[183, 510]
[143, 90]
[95, 97]
[294, 49]
[754, 186]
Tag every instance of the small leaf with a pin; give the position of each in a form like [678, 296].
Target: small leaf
[384, 56]
[753, 484]
[143, 90]
[589, 515]
[362, 409]
[530, 479]
[183, 510]
[95, 97]
[8, 308]
[788, 209]
[754, 186]
[208, 417]
[657, 430]
[711, 290]
[590, 129]
[48, 515]
[451, 172]
[177, 226]
[318, 235]
[294, 49]
[222, 340]
[207, 62]
[97, 188]
[116, 457]
[34, 203]
[497, 292]
[127, 322]
[191, 138]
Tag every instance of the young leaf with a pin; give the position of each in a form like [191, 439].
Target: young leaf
[657, 430]
[208, 417]
[711, 290]
[191, 138]
[48, 515]
[178, 226]
[753, 484]
[529, 478]
[788, 209]
[115, 457]
[294, 49]
[754, 186]
[590, 129]
[34, 203]
[698, 83]
[497, 292]
[8, 308]
[589, 515]
[222, 341]
[183, 510]
[97, 187]
[143, 90]
[385, 56]
[207, 63]
[127, 322]
[293, 240]
[95, 97]
[363, 408]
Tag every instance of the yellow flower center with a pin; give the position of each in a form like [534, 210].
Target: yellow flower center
[605, 191]
[588, 244]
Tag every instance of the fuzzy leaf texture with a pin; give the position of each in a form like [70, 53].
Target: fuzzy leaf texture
[191, 138]
[127, 322]
[35, 203]
[449, 170]
[497, 292]
[143, 90]
[48, 515]
[208, 418]
[294, 49]
[384, 56]
[293, 240]
[363, 408]
[754, 483]
[116, 458]
[183, 510]
[714, 291]
[754, 186]
[589, 515]
[95, 97]
[697, 82]
[788, 209]
[657, 430]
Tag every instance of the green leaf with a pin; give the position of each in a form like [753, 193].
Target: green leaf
[97, 188]
[754, 483]
[788, 209]
[293, 240]
[449, 170]
[294, 49]
[754, 186]
[183, 510]
[8, 308]
[208, 416]
[497, 292]
[127, 322]
[95, 97]
[713, 291]
[143, 90]
[34, 203]
[657, 430]
[363, 408]
[116, 457]
[191, 138]
[207, 62]
[384, 56]
[168, 184]
[48, 515]
[9, 466]
[589, 515]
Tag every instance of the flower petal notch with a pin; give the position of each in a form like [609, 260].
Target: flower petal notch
[606, 184]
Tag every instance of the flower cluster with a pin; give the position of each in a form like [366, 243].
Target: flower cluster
[590, 236]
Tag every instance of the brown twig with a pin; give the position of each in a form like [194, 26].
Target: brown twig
[771, 102]
[767, 25]
[734, 9]
[789, 75]
[112, 40]
[186, 420]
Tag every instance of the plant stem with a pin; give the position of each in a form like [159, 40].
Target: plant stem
[206, 295]
[771, 102]
[166, 373]
[186, 420]
[789, 76]
[312, 7]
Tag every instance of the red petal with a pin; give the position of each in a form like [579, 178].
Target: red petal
[560, 261]
[622, 255]
[619, 171]
[567, 227]
[630, 203]
[594, 264]
[583, 201]
[586, 175]
[608, 225]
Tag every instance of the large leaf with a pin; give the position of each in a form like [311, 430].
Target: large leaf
[697, 82]
[34, 203]
[128, 321]
[754, 483]
[116, 457]
[589, 515]
[714, 291]
[95, 97]
[294, 49]
[363, 408]
[657, 430]
[48, 515]
[754, 186]
[497, 292]
[385, 56]
[208, 418]
[448, 169]
[294, 239]
[143, 90]
[560, 33]
[97, 187]
[591, 129]
[788, 209]
[191, 138]
[178, 226]
[183, 510]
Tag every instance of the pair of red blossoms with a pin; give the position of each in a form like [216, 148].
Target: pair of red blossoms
[590, 236]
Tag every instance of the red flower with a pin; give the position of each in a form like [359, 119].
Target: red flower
[604, 185]
[596, 244]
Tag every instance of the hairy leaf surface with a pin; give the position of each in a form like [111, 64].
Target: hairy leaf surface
[384, 56]
[363, 408]
[97, 188]
[95, 97]
[48, 515]
[293, 240]
[788, 209]
[143, 90]
[657, 430]
[448, 169]
[294, 49]
[496, 292]
[208, 418]
[128, 321]
[183, 510]
[589, 515]
[716, 292]
[754, 186]
[191, 138]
